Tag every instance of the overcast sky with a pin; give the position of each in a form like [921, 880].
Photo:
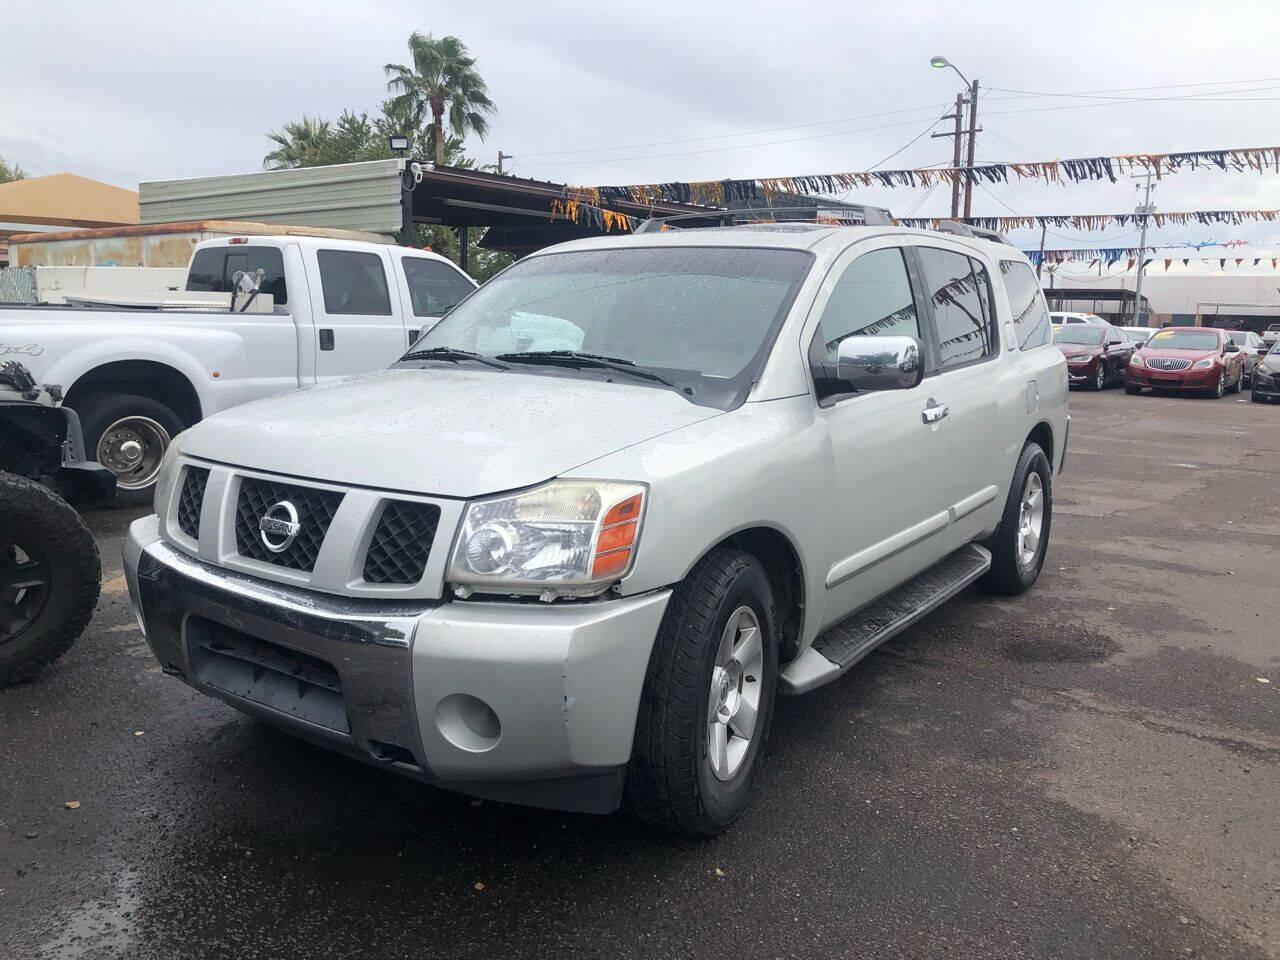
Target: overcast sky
[132, 91]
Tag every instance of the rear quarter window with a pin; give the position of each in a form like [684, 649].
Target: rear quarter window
[1030, 314]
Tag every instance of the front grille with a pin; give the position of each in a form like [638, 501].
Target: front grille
[401, 542]
[315, 512]
[1168, 363]
[292, 682]
[191, 500]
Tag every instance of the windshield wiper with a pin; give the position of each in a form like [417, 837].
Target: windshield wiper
[573, 358]
[449, 353]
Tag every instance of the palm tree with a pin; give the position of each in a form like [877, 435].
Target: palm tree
[443, 77]
[298, 144]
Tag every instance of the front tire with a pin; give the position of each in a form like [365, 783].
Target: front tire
[128, 435]
[1132, 389]
[1215, 393]
[1019, 544]
[1100, 378]
[1235, 387]
[49, 577]
[707, 701]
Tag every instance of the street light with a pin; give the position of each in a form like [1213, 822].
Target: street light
[398, 143]
[941, 63]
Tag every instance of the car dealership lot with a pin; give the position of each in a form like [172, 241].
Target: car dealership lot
[1090, 770]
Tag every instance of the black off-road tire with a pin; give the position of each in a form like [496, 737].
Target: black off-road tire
[669, 782]
[99, 411]
[1008, 576]
[34, 514]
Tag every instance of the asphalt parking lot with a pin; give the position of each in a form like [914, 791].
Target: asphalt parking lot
[1092, 770]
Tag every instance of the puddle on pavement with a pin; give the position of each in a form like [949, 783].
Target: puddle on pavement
[100, 928]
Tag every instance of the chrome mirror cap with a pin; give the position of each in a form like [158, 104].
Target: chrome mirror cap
[880, 363]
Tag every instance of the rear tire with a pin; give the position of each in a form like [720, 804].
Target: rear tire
[1014, 568]
[674, 780]
[49, 577]
[128, 435]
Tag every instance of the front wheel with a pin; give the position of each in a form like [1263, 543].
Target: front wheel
[707, 702]
[1132, 389]
[1019, 544]
[1216, 392]
[1100, 378]
[1235, 387]
[49, 577]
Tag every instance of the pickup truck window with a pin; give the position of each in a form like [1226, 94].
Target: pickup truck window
[961, 296]
[354, 283]
[212, 268]
[703, 317]
[1030, 315]
[872, 297]
[434, 287]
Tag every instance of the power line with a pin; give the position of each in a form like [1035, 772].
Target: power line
[743, 133]
[742, 146]
[1018, 94]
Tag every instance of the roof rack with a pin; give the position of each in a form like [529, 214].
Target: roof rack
[969, 230]
[858, 214]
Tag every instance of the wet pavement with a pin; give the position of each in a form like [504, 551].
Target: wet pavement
[1092, 770]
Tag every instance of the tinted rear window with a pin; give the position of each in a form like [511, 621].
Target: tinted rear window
[212, 269]
[434, 287]
[353, 283]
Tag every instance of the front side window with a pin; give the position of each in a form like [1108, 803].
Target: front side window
[961, 295]
[213, 268]
[700, 317]
[872, 298]
[353, 283]
[435, 288]
[1030, 315]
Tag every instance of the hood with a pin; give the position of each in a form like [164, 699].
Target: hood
[1192, 355]
[1078, 349]
[453, 432]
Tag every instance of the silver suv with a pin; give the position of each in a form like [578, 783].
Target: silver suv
[566, 551]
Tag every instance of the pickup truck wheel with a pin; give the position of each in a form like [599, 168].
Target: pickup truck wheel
[128, 435]
[708, 699]
[49, 577]
[1018, 546]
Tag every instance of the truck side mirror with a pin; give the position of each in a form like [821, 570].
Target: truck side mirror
[880, 363]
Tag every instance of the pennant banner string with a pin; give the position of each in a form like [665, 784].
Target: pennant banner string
[1077, 170]
[1101, 221]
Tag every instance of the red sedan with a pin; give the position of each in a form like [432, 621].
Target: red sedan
[1097, 354]
[1199, 359]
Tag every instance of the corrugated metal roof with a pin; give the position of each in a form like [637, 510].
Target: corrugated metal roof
[349, 196]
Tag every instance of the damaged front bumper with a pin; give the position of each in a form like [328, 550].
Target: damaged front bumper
[522, 702]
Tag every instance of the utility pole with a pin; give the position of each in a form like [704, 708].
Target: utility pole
[958, 116]
[973, 136]
[1043, 230]
[1145, 212]
[503, 156]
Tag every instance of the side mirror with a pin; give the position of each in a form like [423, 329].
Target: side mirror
[880, 363]
[1231, 348]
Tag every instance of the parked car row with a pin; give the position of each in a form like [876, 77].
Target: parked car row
[1204, 360]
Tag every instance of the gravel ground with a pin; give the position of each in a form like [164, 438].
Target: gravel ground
[1092, 770]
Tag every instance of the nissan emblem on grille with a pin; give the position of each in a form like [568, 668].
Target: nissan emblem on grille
[279, 526]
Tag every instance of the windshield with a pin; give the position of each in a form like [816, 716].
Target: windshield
[702, 317]
[1184, 340]
[1079, 333]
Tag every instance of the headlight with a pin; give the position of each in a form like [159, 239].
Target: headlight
[565, 537]
[167, 476]
[1136, 361]
[1204, 364]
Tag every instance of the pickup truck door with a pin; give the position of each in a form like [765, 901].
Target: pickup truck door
[886, 509]
[969, 390]
[358, 318]
[431, 287]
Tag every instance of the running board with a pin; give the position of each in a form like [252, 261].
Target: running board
[849, 641]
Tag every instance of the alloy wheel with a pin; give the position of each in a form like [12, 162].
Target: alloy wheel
[1100, 380]
[132, 448]
[734, 702]
[24, 587]
[1030, 519]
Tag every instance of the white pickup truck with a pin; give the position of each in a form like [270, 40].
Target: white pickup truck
[138, 377]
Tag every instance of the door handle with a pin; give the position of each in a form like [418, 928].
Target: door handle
[934, 411]
[326, 339]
